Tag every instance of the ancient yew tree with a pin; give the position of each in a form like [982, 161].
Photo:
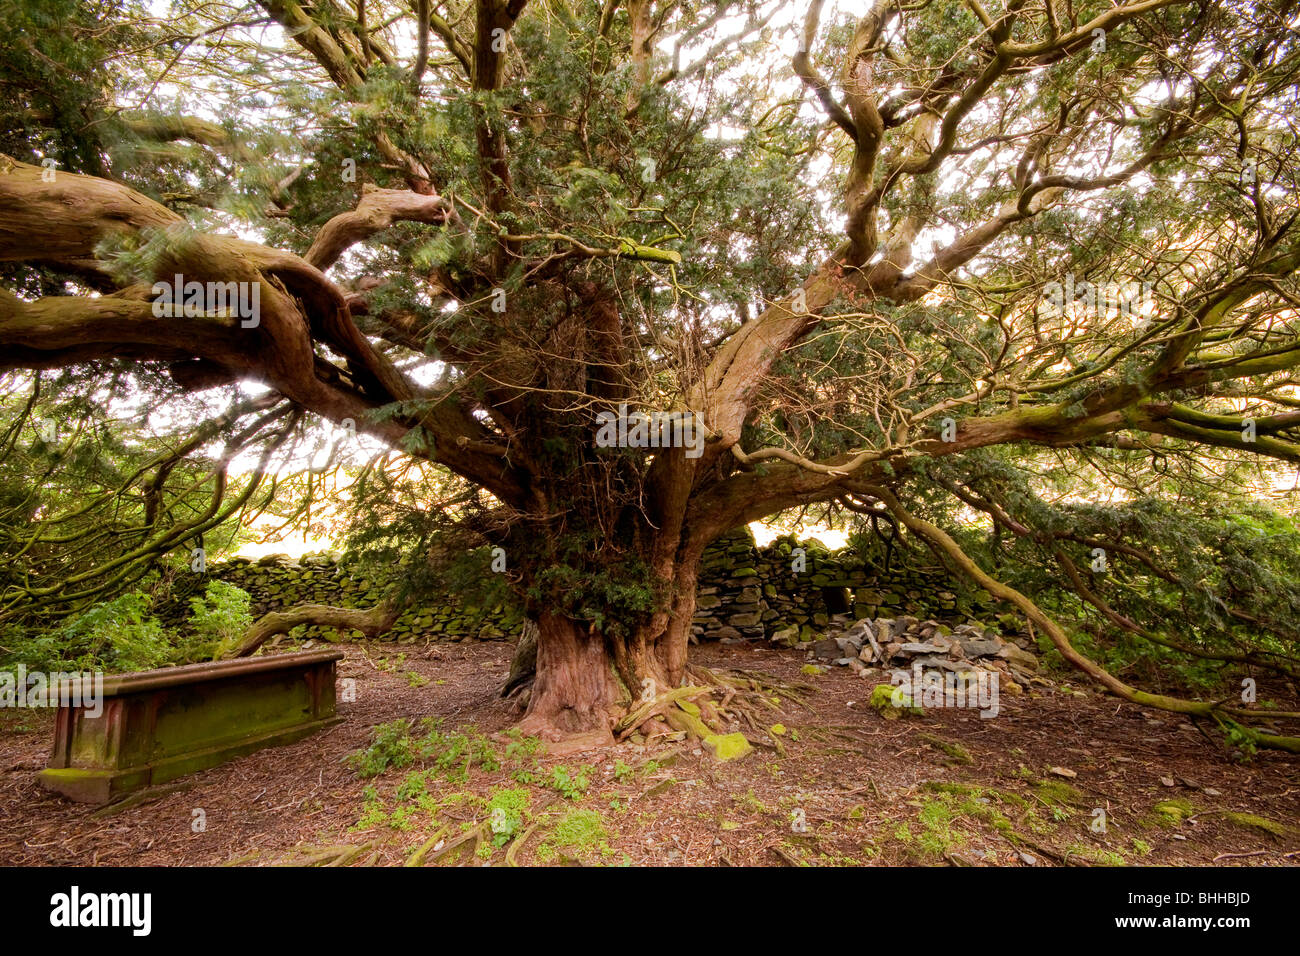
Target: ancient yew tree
[914, 260]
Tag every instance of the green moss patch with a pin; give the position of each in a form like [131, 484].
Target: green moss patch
[956, 754]
[1171, 813]
[1251, 821]
[728, 746]
[891, 702]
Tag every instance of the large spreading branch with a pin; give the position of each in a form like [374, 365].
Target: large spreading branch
[300, 308]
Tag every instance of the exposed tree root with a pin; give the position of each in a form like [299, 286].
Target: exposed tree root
[1018, 839]
[942, 543]
[763, 687]
[340, 855]
[655, 708]
[785, 856]
[371, 622]
[518, 844]
[143, 797]
[417, 858]
[716, 702]
[343, 859]
[427, 854]
[752, 698]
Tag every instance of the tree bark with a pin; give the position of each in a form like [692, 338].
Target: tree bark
[576, 697]
[523, 666]
[586, 681]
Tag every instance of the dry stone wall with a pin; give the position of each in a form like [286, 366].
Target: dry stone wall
[788, 591]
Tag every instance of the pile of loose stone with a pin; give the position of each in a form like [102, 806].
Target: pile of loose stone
[902, 642]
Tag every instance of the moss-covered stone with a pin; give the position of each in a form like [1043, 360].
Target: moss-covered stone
[1172, 812]
[728, 746]
[892, 702]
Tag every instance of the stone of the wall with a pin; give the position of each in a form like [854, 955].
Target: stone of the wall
[748, 591]
[277, 581]
[745, 592]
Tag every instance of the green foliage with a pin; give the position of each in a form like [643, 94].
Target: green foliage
[390, 747]
[506, 810]
[572, 785]
[521, 747]
[450, 755]
[579, 833]
[123, 634]
[220, 618]
[61, 71]
[117, 636]
[1241, 739]
[375, 813]
[119, 633]
[91, 506]
[1201, 565]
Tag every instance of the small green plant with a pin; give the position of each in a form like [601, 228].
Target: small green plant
[523, 751]
[373, 813]
[579, 833]
[403, 818]
[1241, 740]
[752, 803]
[1099, 857]
[571, 785]
[414, 786]
[390, 747]
[622, 771]
[937, 835]
[506, 811]
[454, 754]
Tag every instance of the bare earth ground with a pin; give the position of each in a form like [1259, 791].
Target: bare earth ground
[851, 787]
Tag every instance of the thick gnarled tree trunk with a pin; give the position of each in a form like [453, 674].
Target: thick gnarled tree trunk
[576, 694]
[587, 681]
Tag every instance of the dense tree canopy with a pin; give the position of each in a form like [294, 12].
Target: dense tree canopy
[1026, 267]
